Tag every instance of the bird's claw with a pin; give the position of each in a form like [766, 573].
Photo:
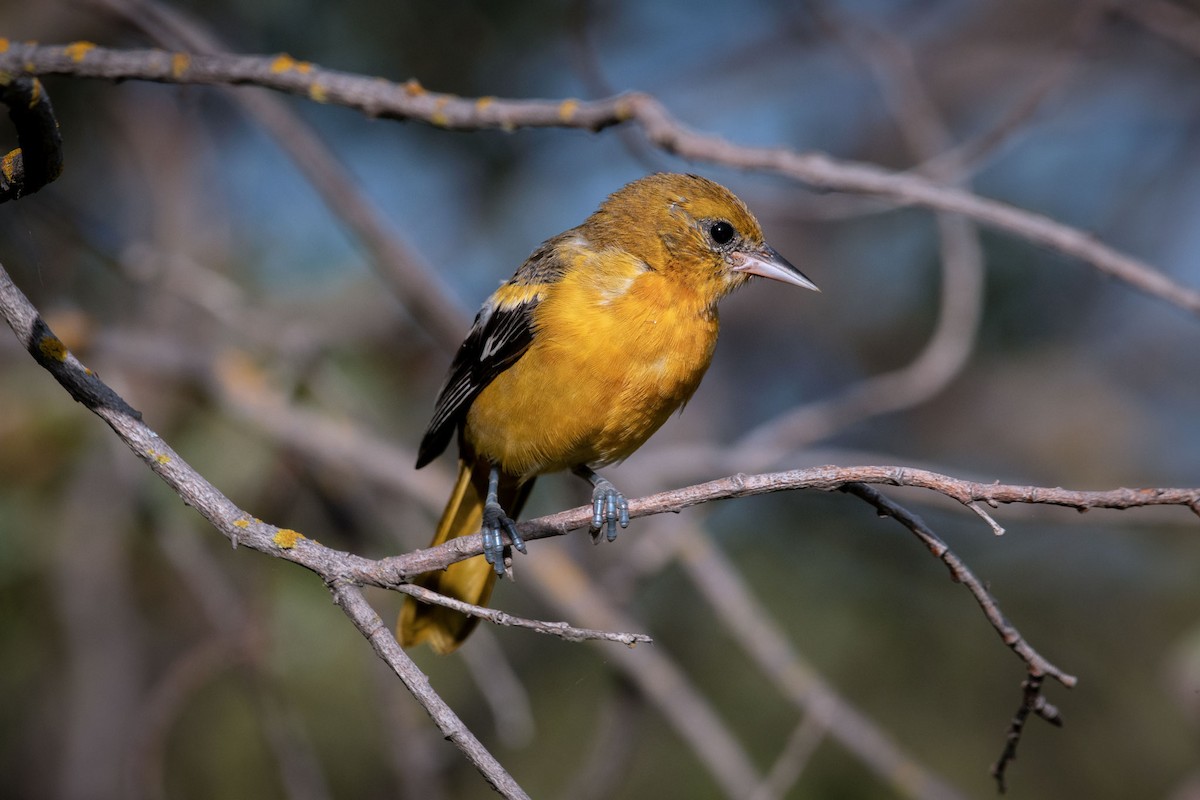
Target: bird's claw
[495, 524]
[609, 509]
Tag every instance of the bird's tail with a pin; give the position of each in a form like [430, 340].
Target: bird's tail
[471, 580]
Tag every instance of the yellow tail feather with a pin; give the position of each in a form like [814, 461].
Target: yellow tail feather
[471, 580]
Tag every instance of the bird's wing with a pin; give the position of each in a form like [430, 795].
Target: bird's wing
[502, 332]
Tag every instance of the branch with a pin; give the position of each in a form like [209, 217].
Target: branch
[961, 573]
[411, 101]
[1032, 702]
[497, 617]
[827, 478]
[240, 527]
[38, 160]
[350, 599]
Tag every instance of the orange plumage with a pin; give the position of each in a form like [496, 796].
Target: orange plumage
[600, 336]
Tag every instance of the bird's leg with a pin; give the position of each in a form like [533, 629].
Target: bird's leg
[495, 521]
[609, 506]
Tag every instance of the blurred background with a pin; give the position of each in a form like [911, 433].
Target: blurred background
[186, 256]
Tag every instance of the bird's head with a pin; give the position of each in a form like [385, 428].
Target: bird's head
[690, 227]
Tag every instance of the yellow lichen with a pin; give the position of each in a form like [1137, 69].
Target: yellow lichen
[413, 87]
[438, 117]
[35, 92]
[286, 538]
[318, 93]
[77, 50]
[52, 347]
[179, 64]
[285, 63]
[567, 109]
[483, 103]
[3, 45]
[8, 164]
[282, 63]
[242, 523]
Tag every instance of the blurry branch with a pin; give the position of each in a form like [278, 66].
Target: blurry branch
[1170, 21]
[613, 745]
[826, 713]
[971, 154]
[413, 282]
[237, 641]
[501, 688]
[381, 98]
[797, 751]
[961, 299]
[350, 599]
[664, 684]
[186, 675]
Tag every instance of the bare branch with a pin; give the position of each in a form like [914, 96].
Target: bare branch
[240, 527]
[1032, 702]
[560, 629]
[961, 573]
[826, 478]
[410, 100]
[350, 599]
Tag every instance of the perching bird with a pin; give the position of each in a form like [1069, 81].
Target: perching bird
[574, 362]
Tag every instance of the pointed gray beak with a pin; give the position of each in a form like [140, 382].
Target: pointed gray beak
[767, 263]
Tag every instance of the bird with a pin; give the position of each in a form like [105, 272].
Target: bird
[574, 362]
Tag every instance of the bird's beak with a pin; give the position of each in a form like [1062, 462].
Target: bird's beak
[767, 263]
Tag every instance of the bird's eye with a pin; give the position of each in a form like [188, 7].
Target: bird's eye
[721, 232]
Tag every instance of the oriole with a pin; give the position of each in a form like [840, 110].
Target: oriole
[575, 361]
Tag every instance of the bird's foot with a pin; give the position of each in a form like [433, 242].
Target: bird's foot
[609, 509]
[495, 524]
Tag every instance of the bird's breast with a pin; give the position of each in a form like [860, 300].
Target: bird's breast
[611, 360]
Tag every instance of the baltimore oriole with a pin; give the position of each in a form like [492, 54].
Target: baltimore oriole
[575, 361]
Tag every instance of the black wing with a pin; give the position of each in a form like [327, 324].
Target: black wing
[502, 332]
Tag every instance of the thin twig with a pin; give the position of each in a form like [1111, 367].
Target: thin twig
[961, 573]
[1032, 702]
[560, 629]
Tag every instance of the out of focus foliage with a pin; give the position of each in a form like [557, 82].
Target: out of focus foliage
[137, 650]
